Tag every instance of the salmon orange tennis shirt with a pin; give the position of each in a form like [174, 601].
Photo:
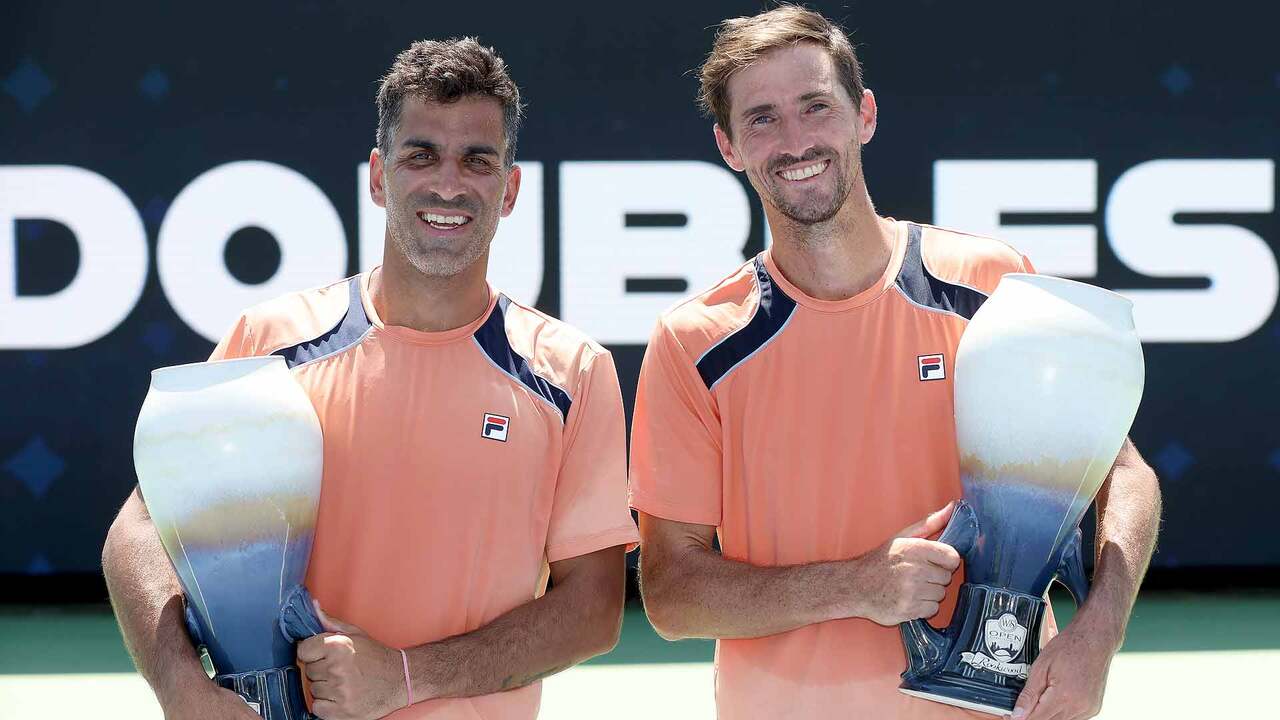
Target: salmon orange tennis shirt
[807, 430]
[457, 464]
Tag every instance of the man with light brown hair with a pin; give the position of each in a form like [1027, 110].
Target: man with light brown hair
[473, 448]
[785, 411]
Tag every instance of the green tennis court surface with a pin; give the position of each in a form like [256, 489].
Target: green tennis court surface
[1187, 655]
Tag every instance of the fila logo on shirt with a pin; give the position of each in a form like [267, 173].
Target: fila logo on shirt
[932, 367]
[495, 427]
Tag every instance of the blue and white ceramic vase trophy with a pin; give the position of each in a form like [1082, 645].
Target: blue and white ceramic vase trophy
[229, 457]
[1048, 378]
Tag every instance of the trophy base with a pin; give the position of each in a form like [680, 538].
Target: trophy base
[274, 694]
[981, 661]
[980, 699]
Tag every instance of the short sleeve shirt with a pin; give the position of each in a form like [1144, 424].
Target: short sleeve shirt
[457, 464]
[807, 430]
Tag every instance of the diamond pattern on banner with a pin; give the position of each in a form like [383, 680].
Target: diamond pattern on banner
[1173, 461]
[154, 85]
[39, 565]
[36, 466]
[28, 85]
[1176, 80]
[153, 212]
[158, 337]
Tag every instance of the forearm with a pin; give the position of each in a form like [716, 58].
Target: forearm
[570, 623]
[147, 600]
[690, 590]
[702, 594]
[1128, 523]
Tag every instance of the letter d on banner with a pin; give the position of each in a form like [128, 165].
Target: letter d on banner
[113, 256]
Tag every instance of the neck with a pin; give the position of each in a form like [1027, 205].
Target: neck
[838, 258]
[403, 296]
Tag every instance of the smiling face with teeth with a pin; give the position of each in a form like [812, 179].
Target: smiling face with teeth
[444, 184]
[796, 133]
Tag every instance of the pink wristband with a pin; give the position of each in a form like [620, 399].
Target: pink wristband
[408, 686]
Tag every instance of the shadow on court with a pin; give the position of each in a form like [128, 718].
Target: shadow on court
[84, 639]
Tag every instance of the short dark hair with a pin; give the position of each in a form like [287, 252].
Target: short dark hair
[742, 41]
[444, 71]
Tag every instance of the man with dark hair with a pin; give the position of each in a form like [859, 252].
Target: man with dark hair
[473, 446]
[781, 410]
[447, 71]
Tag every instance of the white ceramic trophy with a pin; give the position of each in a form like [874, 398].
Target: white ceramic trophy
[1048, 378]
[229, 457]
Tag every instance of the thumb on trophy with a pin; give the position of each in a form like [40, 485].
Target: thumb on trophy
[931, 525]
[333, 624]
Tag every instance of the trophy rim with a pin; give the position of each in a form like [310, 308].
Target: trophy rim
[1038, 279]
[256, 359]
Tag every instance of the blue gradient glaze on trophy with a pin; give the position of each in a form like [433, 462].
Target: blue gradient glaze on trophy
[238, 583]
[1020, 524]
[229, 459]
[1048, 377]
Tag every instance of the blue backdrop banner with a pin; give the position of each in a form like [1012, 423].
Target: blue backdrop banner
[162, 169]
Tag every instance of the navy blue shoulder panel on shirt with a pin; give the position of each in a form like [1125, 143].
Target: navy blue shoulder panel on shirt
[349, 331]
[492, 339]
[772, 314]
[922, 288]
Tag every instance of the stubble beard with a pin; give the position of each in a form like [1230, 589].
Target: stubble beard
[437, 257]
[812, 213]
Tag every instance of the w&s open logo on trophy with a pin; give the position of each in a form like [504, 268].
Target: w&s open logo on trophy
[229, 457]
[1048, 377]
[1004, 638]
